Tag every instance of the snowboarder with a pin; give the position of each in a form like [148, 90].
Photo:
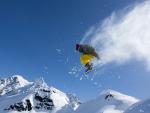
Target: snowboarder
[88, 53]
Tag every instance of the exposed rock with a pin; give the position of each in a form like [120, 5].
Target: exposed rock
[44, 102]
[20, 106]
[29, 106]
[108, 96]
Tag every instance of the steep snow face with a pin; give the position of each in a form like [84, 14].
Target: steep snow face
[140, 107]
[108, 102]
[74, 101]
[34, 97]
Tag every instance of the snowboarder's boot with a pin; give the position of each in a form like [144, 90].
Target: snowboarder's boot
[89, 67]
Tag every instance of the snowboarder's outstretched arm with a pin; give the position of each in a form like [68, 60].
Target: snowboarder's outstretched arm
[96, 55]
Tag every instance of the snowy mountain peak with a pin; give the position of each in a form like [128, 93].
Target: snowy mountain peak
[19, 95]
[41, 83]
[108, 91]
[22, 81]
[108, 101]
[111, 94]
[12, 83]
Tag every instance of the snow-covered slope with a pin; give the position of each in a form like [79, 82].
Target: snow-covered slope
[108, 102]
[140, 107]
[19, 95]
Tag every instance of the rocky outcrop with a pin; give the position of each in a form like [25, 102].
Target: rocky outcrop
[21, 106]
[43, 102]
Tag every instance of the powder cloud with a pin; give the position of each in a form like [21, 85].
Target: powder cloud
[123, 36]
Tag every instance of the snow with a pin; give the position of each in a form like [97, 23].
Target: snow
[109, 101]
[140, 107]
[12, 84]
[57, 96]
[27, 90]
[21, 80]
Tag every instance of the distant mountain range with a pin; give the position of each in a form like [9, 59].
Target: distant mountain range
[18, 95]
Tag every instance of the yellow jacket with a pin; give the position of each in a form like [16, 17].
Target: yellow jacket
[86, 58]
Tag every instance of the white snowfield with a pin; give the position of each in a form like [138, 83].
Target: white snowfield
[140, 107]
[108, 102]
[18, 95]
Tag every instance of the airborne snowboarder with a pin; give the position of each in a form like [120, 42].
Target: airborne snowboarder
[87, 55]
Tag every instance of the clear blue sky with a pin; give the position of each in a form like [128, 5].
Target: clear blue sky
[33, 31]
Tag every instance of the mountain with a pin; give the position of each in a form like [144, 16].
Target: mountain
[108, 102]
[12, 83]
[140, 107]
[19, 95]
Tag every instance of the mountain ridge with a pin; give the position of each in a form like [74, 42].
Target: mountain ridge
[109, 101]
[25, 96]
[18, 95]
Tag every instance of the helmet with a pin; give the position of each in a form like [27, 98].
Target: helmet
[77, 46]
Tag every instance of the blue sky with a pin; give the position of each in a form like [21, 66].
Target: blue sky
[37, 38]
